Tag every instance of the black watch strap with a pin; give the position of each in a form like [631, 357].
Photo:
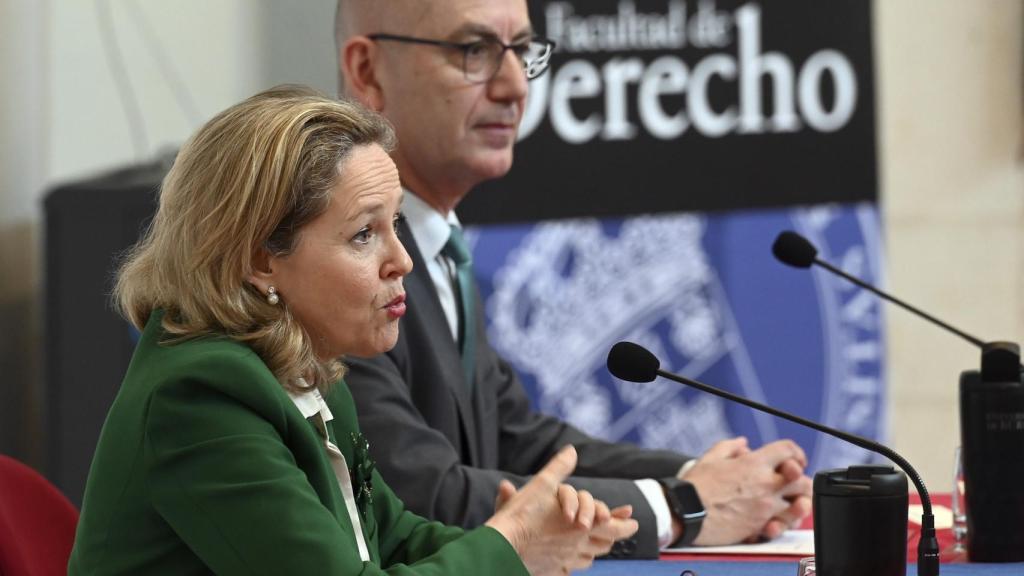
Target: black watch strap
[686, 507]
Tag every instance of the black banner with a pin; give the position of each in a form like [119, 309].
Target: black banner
[699, 105]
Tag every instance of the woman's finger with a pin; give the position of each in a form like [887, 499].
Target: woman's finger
[568, 501]
[601, 512]
[506, 490]
[587, 510]
[624, 511]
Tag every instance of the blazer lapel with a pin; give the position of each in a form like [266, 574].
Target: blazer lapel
[425, 307]
[347, 475]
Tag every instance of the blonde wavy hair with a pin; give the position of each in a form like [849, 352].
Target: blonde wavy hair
[249, 179]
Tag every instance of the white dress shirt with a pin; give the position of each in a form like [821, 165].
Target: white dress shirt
[430, 231]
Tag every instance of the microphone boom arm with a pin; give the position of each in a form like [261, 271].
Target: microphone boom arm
[973, 340]
[928, 547]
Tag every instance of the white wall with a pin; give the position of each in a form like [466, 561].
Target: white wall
[65, 113]
[217, 53]
[950, 99]
[23, 141]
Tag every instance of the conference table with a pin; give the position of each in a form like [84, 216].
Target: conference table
[953, 563]
[737, 568]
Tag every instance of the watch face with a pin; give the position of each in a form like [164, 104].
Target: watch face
[686, 507]
[688, 499]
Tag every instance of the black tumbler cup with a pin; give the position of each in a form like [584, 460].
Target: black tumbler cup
[860, 522]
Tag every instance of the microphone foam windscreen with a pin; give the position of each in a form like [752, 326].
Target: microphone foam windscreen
[632, 362]
[795, 250]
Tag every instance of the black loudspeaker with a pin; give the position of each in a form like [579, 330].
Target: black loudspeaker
[992, 448]
[87, 345]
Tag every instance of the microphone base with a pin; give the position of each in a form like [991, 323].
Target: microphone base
[992, 437]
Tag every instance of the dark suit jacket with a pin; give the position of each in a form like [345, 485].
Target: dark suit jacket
[206, 466]
[444, 444]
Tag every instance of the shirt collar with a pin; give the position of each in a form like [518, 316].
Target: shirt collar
[310, 403]
[429, 228]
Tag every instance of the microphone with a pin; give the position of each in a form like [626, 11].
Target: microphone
[993, 462]
[634, 363]
[794, 250]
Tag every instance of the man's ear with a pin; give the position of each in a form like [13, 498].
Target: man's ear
[358, 62]
[262, 275]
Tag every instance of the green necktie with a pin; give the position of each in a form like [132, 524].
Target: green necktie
[457, 250]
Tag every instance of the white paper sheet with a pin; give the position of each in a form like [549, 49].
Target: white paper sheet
[791, 543]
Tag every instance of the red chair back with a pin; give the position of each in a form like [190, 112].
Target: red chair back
[37, 523]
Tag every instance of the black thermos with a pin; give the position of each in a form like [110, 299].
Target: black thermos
[860, 522]
[992, 448]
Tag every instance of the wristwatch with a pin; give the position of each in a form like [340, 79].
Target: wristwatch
[686, 506]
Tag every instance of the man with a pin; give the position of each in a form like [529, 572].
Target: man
[448, 419]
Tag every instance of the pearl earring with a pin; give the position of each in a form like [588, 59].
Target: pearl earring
[272, 297]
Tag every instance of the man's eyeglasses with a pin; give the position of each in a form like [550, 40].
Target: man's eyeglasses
[481, 59]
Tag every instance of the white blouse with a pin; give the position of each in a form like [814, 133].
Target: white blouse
[312, 404]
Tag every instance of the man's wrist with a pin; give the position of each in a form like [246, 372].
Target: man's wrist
[665, 524]
[685, 468]
[687, 510]
[676, 525]
[677, 532]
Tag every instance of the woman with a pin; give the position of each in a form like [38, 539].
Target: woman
[232, 446]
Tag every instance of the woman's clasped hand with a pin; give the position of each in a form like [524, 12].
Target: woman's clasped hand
[547, 517]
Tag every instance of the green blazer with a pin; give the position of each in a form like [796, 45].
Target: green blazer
[205, 465]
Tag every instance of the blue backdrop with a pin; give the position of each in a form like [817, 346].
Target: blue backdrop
[705, 294]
